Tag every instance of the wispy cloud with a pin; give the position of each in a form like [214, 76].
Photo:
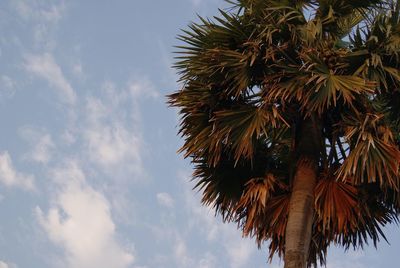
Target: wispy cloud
[77, 70]
[184, 259]
[181, 254]
[110, 142]
[80, 222]
[199, 5]
[42, 16]
[111, 145]
[142, 88]
[196, 3]
[10, 177]
[45, 67]
[165, 200]
[112, 129]
[41, 142]
[37, 10]
[7, 86]
[239, 250]
[42, 151]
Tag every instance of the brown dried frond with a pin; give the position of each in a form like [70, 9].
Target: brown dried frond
[254, 200]
[336, 204]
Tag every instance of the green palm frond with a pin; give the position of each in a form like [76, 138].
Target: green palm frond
[331, 88]
[242, 125]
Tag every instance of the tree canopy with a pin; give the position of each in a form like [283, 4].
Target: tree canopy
[254, 74]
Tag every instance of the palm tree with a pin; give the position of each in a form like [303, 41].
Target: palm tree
[290, 113]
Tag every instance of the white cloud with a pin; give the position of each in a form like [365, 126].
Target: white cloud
[11, 177]
[41, 152]
[164, 199]
[45, 67]
[143, 88]
[80, 222]
[205, 4]
[6, 82]
[3, 265]
[184, 259]
[42, 144]
[181, 254]
[42, 16]
[77, 70]
[239, 249]
[208, 261]
[112, 131]
[112, 144]
[38, 10]
[7, 86]
[196, 3]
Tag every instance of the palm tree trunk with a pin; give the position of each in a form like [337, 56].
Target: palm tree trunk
[301, 207]
[301, 211]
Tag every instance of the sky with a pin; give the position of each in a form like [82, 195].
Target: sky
[89, 175]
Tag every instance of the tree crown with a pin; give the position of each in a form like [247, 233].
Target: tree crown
[252, 76]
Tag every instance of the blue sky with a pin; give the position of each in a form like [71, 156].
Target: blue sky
[89, 175]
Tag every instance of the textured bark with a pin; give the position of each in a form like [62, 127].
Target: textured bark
[301, 210]
[301, 207]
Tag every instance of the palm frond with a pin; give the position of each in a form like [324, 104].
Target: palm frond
[373, 155]
[242, 125]
[336, 205]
